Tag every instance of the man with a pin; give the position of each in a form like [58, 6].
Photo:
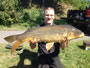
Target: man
[48, 53]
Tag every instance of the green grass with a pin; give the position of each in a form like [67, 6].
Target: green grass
[75, 56]
[22, 26]
[72, 57]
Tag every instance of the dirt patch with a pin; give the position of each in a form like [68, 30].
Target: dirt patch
[4, 34]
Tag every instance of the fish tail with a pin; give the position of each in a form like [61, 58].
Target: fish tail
[10, 38]
[15, 45]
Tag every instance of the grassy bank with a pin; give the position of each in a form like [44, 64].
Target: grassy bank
[73, 57]
[24, 26]
[14, 27]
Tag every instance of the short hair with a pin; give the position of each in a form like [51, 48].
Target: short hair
[48, 8]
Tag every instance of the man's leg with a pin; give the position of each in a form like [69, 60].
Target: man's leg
[56, 63]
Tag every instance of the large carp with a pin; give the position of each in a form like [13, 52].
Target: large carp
[54, 33]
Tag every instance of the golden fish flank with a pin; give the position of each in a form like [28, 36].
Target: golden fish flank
[49, 33]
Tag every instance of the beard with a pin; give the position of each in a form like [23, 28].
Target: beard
[49, 21]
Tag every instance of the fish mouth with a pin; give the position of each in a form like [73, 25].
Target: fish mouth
[82, 35]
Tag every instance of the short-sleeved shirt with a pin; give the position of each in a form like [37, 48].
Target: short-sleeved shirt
[49, 59]
[42, 51]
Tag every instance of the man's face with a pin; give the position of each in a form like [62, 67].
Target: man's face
[49, 16]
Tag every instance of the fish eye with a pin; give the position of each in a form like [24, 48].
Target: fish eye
[73, 29]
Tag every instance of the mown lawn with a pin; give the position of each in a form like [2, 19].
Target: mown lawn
[72, 57]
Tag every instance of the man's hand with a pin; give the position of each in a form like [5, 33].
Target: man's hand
[64, 43]
[33, 44]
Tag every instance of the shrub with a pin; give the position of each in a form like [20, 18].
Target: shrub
[9, 12]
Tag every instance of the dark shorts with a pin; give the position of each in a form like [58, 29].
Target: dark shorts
[50, 63]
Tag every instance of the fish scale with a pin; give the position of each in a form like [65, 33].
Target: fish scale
[54, 33]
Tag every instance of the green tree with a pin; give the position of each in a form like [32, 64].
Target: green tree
[9, 12]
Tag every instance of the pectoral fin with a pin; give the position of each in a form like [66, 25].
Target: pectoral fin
[15, 45]
[49, 45]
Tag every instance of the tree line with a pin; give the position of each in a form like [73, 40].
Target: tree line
[21, 11]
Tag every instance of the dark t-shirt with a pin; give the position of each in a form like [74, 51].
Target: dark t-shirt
[48, 59]
[42, 51]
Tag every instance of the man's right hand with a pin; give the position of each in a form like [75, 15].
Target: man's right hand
[33, 44]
